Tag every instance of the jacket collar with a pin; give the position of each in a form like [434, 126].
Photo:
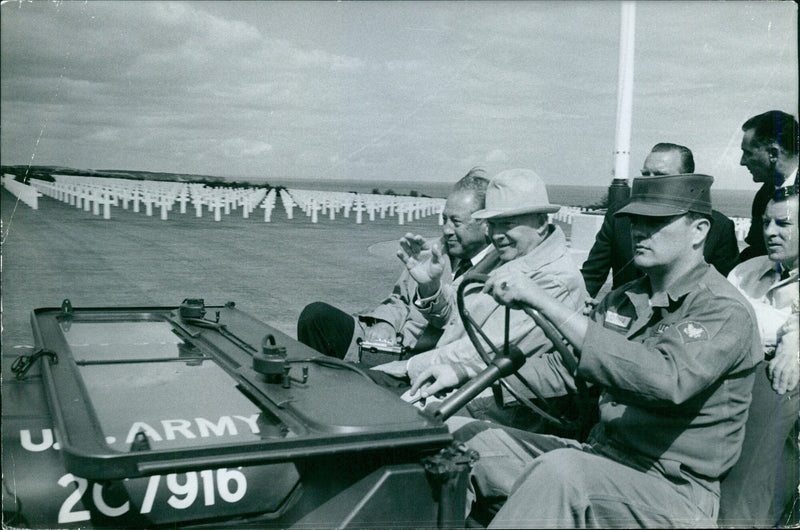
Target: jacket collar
[480, 256]
[772, 272]
[640, 292]
[552, 247]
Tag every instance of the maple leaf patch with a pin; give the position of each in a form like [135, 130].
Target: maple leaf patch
[693, 331]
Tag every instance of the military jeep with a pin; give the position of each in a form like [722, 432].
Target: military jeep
[200, 415]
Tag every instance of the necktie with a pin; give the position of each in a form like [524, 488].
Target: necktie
[463, 266]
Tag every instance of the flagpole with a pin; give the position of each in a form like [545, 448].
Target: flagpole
[619, 189]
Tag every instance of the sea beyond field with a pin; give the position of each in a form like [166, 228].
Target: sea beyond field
[733, 203]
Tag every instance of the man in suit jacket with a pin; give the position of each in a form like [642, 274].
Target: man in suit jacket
[463, 244]
[613, 247]
[769, 152]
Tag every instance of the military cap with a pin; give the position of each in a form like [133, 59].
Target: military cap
[670, 195]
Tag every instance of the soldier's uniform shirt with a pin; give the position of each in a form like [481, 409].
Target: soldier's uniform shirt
[676, 374]
[678, 389]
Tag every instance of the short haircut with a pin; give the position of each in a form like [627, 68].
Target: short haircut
[697, 215]
[687, 159]
[476, 182]
[775, 126]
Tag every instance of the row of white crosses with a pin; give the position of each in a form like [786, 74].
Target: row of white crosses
[566, 213]
[94, 193]
[23, 192]
[102, 193]
[315, 203]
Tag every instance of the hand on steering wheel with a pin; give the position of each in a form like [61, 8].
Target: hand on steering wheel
[513, 292]
[443, 376]
[513, 289]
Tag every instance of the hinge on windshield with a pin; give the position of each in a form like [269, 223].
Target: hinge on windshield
[23, 363]
[66, 309]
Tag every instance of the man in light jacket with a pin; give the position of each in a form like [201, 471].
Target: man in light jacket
[516, 211]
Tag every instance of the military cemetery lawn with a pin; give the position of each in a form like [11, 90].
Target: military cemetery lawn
[270, 270]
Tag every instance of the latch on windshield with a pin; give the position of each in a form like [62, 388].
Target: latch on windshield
[23, 363]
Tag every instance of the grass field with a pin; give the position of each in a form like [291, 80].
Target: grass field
[270, 270]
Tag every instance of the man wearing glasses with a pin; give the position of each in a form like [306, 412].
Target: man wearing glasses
[613, 249]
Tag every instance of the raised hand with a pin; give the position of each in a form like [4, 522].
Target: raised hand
[423, 261]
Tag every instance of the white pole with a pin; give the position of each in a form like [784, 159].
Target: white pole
[622, 141]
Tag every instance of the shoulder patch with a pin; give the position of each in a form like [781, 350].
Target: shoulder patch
[693, 331]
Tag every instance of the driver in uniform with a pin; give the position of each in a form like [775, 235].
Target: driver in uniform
[673, 354]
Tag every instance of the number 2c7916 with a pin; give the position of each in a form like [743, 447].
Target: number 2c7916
[227, 485]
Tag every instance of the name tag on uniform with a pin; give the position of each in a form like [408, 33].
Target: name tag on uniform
[615, 319]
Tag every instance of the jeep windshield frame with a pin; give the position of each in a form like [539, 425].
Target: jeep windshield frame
[141, 391]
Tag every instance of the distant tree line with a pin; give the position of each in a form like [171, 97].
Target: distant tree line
[412, 193]
[602, 204]
[25, 173]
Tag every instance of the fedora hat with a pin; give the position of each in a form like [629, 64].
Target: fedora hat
[669, 195]
[515, 192]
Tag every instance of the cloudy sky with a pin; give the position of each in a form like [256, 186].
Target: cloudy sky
[384, 90]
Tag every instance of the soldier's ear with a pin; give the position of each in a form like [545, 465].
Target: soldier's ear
[773, 151]
[701, 226]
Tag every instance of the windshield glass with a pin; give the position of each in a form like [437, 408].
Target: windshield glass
[144, 403]
[121, 341]
[140, 391]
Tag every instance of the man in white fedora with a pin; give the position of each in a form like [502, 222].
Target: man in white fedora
[516, 212]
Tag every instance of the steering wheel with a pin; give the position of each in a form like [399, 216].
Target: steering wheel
[507, 362]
